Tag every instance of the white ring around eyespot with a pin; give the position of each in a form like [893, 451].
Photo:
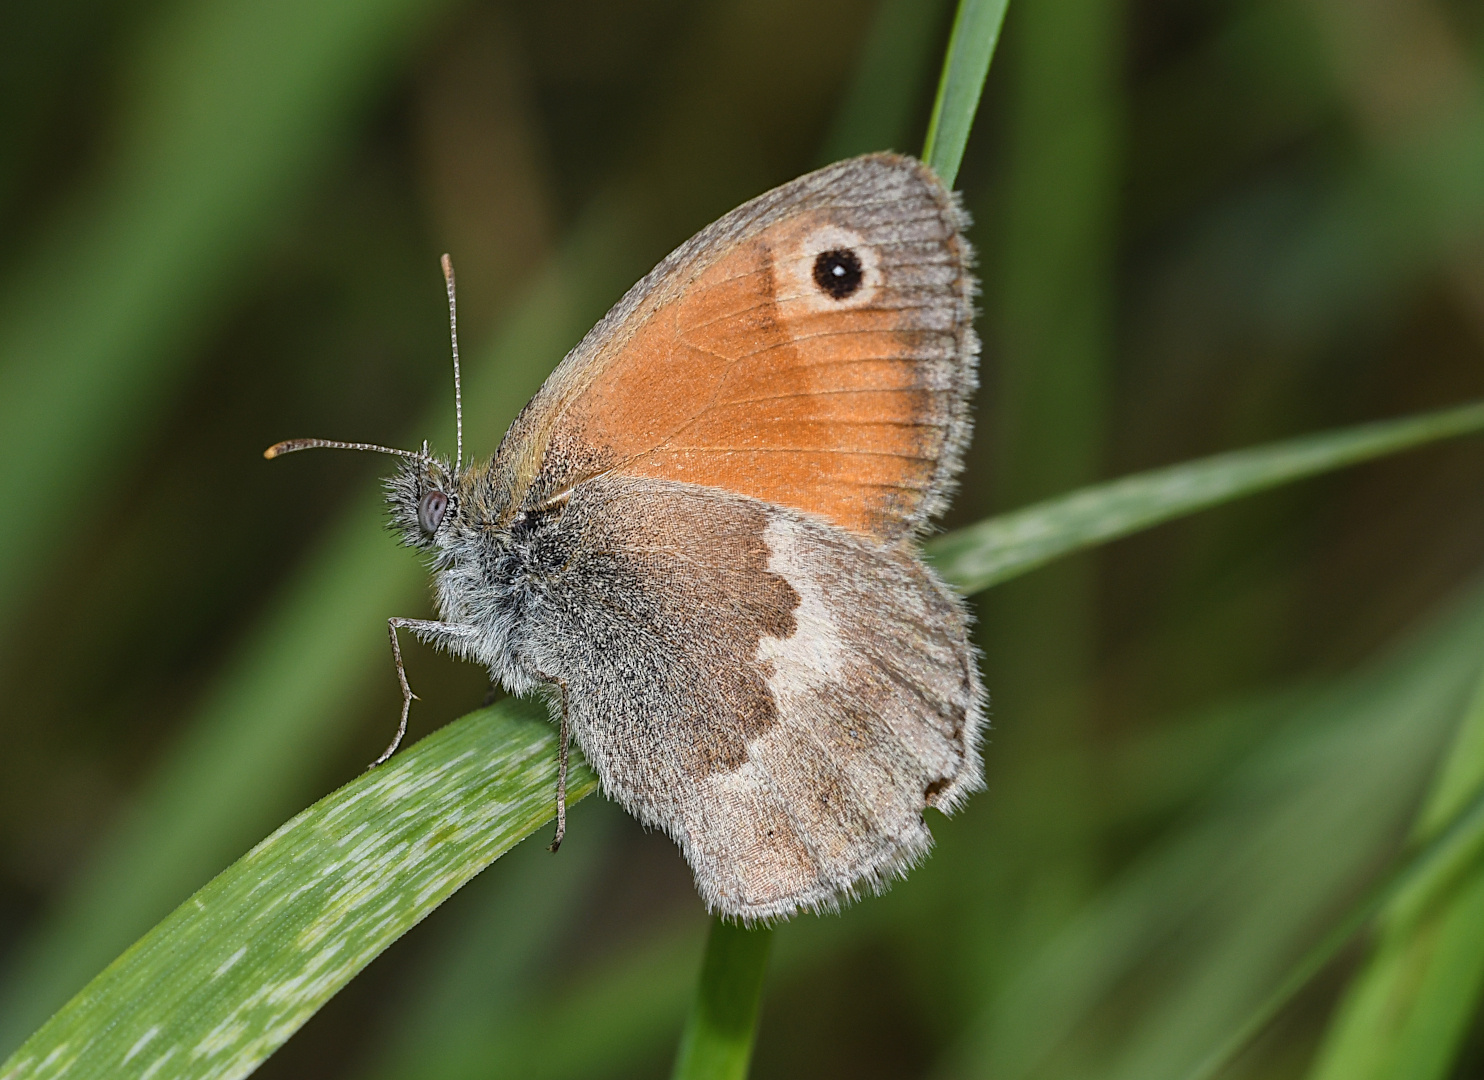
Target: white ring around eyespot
[799, 293]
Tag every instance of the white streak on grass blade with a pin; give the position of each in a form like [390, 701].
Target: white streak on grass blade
[220, 1038]
[226, 965]
[140, 1043]
[158, 1064]
[323, 957]
[348, 837]
[442, 884]
[51, 1058]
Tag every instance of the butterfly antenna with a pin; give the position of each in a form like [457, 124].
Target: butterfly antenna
[458, 389]
[288, 446]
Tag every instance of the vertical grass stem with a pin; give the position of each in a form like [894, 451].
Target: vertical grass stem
[721, 1028]
[976, 31]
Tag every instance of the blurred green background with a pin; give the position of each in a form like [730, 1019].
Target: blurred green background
[1201, 224]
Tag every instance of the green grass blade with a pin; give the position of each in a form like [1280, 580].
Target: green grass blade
[976, 31]
[995, 550]
[238, 968]
[1432, 979]
[1407, 1010]
[722, 1026]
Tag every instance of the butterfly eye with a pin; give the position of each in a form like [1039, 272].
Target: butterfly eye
[430, 511]
[838, 272]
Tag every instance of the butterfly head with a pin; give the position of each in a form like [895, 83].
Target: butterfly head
[433, 504]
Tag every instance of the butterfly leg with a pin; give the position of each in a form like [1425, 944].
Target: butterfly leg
[561, 793]
[424, 628]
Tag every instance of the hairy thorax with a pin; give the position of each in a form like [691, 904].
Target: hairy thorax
[497, 583]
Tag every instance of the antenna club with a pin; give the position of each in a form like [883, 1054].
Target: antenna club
[288, 446]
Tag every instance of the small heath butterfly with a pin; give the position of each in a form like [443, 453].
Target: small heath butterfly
[700, 538]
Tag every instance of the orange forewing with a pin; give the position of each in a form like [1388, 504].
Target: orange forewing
[747, 374]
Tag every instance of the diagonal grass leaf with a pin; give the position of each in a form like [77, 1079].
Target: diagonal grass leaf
[224, 980]
[978, 556]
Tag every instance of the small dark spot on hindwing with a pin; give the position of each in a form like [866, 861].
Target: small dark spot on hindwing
[935, 788]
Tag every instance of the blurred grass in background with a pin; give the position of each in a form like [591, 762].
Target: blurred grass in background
[1200, 224]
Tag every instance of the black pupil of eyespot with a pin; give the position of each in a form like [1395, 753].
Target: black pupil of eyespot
[838, 272]
[430, 511]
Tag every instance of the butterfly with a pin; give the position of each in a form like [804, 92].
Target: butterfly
[700, 541]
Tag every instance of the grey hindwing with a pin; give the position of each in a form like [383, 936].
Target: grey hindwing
[780, 696]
